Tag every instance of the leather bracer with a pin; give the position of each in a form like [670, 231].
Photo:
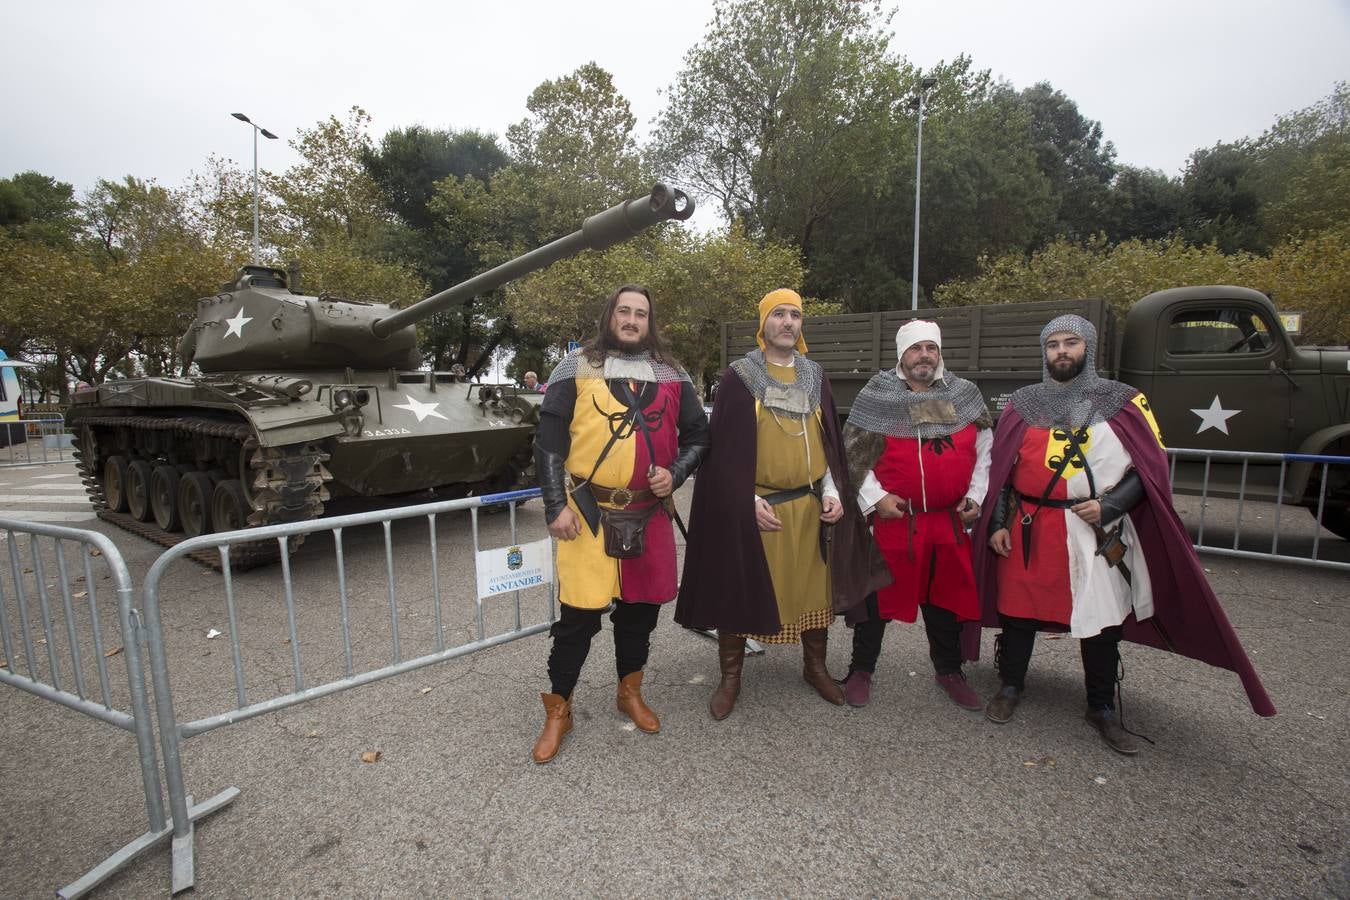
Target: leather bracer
[686, 461]
[551, 471]
[1122, 498]
[1002, 511]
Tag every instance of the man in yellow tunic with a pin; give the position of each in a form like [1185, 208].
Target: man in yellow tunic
[621, 427]
[777, 547]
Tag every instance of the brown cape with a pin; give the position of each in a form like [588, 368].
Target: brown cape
[726, 582]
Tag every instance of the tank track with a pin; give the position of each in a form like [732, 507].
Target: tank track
[285, 484]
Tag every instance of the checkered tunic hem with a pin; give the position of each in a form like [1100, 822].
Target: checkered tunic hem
[791, 632]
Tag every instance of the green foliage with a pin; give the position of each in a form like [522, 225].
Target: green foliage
[1307, 275]
[697, 283]
[36, 207]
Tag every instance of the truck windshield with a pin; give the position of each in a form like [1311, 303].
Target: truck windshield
[1218, 331]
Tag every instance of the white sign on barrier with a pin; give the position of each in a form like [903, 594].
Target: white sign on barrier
[514, 568]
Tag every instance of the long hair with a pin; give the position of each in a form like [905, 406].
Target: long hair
[600, 346]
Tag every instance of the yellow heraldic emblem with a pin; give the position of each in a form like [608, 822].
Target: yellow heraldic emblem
[1058, 445]
[1141, 401]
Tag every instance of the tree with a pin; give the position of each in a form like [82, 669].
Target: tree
[776, 137]
[37, 207]
[1143, 204]
[1071, 154]
[127, 219]
[329, 195]
[1223, 201]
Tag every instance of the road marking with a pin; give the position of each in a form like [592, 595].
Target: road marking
[46, 516]
[6, 499]
[47, 477]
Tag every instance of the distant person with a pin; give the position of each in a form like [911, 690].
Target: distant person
[532, 382]
[1078, 534]
[620, 428]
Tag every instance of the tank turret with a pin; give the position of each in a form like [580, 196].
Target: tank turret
[303, 399]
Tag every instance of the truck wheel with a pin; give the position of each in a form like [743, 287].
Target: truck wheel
[115, 483]
[229, 508]
[138, 490]
[164, 497]
[194, 503]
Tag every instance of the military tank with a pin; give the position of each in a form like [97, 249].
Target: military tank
[302, 399]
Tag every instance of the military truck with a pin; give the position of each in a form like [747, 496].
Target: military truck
[1218, 367]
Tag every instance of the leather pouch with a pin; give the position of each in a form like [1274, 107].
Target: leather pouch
[625, 530]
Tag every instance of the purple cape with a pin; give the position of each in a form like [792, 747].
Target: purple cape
[726, 582]
[1187, 617]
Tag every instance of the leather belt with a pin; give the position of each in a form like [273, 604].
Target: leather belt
[786, 495]
[619, 497]
[1052, 503]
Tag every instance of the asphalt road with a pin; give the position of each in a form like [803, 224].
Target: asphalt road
[909, 796]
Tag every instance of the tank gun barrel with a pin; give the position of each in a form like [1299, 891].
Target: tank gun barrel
[598, 232]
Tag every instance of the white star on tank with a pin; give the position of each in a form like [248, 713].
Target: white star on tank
[1215, 416]
[236, 325]
[419, 409]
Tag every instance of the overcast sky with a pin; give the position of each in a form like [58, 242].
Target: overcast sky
[106, 89]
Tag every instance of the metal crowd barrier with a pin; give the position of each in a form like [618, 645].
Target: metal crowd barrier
[1267, 482]
[173, 731]
[33, 441]
[73, 642]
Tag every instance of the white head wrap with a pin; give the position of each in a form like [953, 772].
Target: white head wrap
[915, 331]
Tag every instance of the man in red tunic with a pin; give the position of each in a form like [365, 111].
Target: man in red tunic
[918, 442]
[1079, 535]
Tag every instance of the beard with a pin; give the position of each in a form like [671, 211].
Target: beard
[912, 374]
[1069, 374]
[627, 345]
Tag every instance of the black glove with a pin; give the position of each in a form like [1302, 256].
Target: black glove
[551, 471]
[999, 515]
[685, 462]
[1122, 498]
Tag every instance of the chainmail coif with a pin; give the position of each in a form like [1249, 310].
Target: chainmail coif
[1085, 400]
[753, 371]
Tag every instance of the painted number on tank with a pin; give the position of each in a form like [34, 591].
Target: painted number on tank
[384, 432]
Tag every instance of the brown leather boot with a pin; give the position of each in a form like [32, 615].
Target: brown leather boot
[731, 659]
[631, 704]
[813, 666]
[557, 722]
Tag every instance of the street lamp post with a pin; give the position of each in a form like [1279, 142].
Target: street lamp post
[925, 84]
[267, 134]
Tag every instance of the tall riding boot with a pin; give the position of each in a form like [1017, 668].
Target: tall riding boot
[731, 659]
[557, 722]
[813, 666]
[631, 704]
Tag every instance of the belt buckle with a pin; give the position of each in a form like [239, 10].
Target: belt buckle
[614, 497]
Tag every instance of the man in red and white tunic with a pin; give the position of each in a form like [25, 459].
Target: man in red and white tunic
[918, 441]
[1079, 535]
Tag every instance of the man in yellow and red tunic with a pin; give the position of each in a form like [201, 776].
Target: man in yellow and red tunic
[1079, 535]
[621, 427]
[918, 440]
[775, 489]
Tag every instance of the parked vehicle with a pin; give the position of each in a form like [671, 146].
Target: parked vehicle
[11, 401]
[1215, 362]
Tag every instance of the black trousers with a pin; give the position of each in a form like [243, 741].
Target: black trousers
[572, 633]
[1101, 658]
[944, 638]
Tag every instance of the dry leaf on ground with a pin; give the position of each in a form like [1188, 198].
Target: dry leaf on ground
[370, 756]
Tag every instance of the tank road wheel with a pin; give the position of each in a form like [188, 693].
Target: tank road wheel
[138, 490]
[194, 503]
[229, 507]
[115, 483]
[164, 497]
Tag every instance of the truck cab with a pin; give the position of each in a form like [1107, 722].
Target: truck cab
[1223, 374]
